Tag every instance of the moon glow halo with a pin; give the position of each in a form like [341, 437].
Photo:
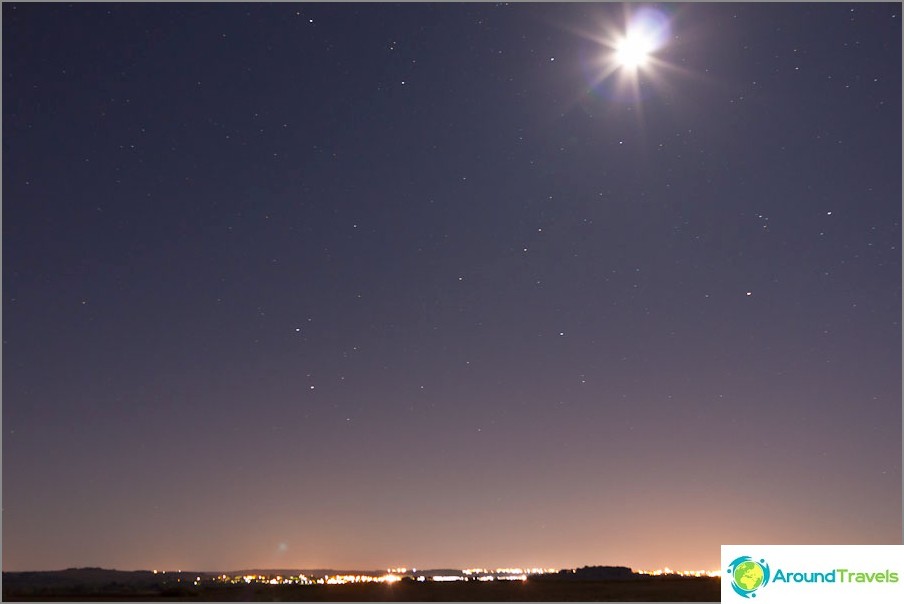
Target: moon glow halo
[646, 33]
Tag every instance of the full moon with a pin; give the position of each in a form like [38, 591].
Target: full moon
[630, 53]
[646, 32]
[634, 50]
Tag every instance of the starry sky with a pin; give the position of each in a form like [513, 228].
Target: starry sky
[445, 285]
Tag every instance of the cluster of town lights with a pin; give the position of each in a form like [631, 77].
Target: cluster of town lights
[681, 573]
[394, 575]
[303, 580]
[346, 579]
[509, 571]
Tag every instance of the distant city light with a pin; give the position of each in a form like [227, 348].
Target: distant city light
[394, 575]
[683, 573]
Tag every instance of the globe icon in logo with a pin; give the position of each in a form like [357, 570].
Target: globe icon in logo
[748, 575]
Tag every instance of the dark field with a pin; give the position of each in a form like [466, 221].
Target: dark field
[650, 589]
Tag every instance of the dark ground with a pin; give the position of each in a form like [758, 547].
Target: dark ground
[648, 589]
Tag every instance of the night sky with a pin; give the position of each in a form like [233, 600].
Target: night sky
[359, 286]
